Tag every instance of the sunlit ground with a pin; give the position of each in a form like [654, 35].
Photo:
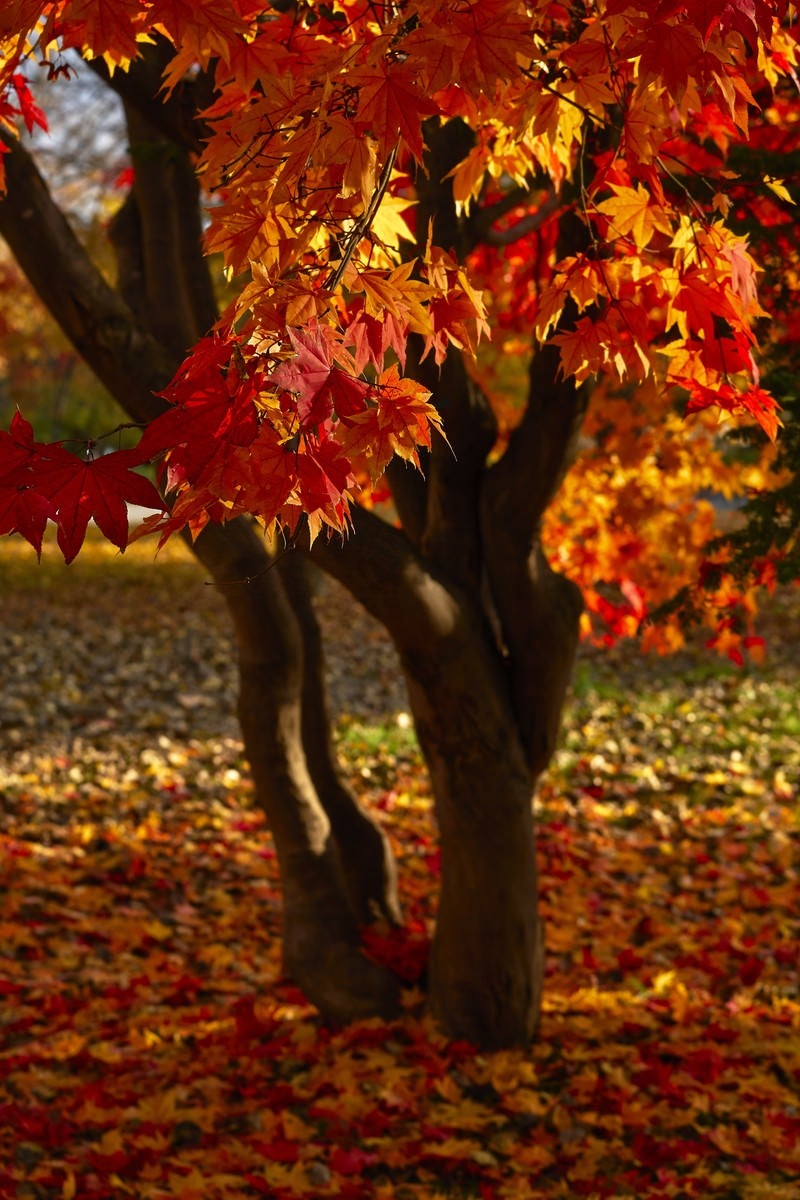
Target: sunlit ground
[149, 1046]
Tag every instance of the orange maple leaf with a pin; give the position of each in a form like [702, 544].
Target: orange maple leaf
[631, 214]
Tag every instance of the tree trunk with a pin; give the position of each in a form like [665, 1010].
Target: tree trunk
[320, 929]
[336, 865]
[487, 959]
[486, 630]
[366, 858]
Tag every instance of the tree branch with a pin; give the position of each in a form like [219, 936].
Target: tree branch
[409, 493]
[526, 225]
[381, 568]
[132, 364]
[539, 609]
[451, 536]
[520, 486]
[482, 217]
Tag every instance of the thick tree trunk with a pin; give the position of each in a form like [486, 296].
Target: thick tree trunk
[487, 960]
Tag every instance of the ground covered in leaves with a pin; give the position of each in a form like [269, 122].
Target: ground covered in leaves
[149, 1046]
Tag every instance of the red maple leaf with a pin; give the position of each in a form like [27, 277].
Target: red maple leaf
[99, 489]
[29, 110]
[26, 512]
[211, 402]
[317, 383]
[391, 104]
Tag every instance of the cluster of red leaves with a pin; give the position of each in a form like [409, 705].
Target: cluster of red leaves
[284, 434]
[41, 483]
[25, 107]
[149, 1046]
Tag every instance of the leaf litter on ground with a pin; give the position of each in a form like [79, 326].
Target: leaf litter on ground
[149, 1043]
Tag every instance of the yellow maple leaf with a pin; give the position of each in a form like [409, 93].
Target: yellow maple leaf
[158, 930]
[65, 1045]
[110, 1143]
[725, 1139]
[468, 178]
[160, 1109]
[779, 188]
[390, 225]
[453, 1148]
[194, 1186]
[534, 1157]
[632, 214]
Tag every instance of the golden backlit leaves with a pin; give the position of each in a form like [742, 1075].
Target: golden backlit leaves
[649, 522]
[318, 128]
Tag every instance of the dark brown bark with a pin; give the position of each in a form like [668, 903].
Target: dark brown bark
[164, 207]
[539, 610]
[175, 116]
[366, 858]
[320, 930]
[450, 534]
[487, 962]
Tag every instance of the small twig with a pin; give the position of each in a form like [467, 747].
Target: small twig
[362, 225]
[101, 437]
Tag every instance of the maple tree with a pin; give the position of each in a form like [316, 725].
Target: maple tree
[385, 185]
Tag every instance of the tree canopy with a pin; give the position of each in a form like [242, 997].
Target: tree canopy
[317, 127]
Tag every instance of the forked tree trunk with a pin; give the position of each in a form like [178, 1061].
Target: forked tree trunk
[486, 631]
[487, 963]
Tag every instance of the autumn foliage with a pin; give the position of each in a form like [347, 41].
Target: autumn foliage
[627, 115]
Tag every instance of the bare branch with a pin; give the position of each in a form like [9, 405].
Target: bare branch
[362, 225]
[381, 568]
[451, 535]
